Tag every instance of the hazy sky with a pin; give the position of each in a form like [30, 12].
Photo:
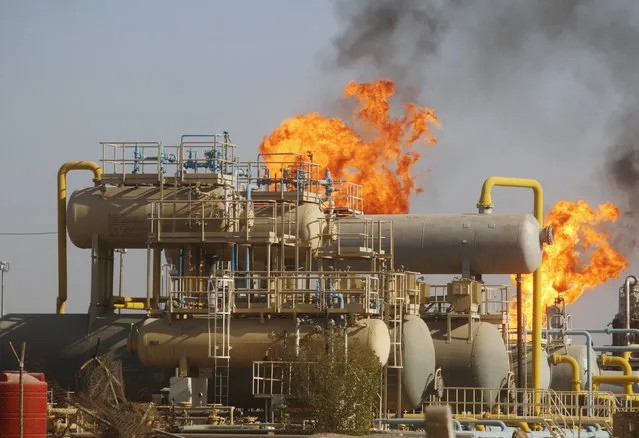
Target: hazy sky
[74, 73]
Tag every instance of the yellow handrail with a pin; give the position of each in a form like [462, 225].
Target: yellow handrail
[62, 223]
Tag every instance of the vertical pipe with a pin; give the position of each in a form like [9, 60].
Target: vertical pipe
[2, 295]
[157, 276]
[24, 347]
[630, 281]
[148, 277]
[520, 335]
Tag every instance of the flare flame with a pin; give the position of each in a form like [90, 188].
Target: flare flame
[579, 259]
[376, 150]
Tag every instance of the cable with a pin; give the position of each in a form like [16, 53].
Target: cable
[29, 234]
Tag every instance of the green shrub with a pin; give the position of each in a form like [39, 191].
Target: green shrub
[339, 390]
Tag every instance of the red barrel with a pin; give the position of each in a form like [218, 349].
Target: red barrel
[34, 405]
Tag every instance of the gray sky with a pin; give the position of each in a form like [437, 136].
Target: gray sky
[75, 73]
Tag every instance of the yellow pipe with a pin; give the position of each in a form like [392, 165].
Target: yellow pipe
[134, 306]
[576, 380]
[485, 201]
[625, 366]
[62, 222]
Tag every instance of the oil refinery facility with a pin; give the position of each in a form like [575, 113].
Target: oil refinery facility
[249, 263]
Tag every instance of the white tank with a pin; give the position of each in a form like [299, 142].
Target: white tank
[544, 370]
[119, 215]
[478, 362]
[486, 243]
[561, 374]
[161, 343]
[419, 364]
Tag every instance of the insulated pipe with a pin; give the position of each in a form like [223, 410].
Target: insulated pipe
[562, 358]
[625, 366]
[62, 222]
[485, 205]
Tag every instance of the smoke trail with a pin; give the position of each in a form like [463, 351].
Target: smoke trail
[548, 76]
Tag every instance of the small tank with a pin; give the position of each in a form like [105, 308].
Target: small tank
[544, 370]
[561, 374]
[119, 215]
[475, 356]
[418, 373]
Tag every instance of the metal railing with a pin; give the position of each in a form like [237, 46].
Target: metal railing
[285, 292]
[276, 377]
[211, 219]
[562, 406]
[355, 237]
[495, 300]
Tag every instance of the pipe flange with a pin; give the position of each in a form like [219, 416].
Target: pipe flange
[547, 235]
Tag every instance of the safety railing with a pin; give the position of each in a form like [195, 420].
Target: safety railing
[562, 406]
[272, 378]
[137, 161]
[212, 220]
[347, 199]
[356, 237]
[284, 172]
[494, 301]
[283, 292]
[214, 158]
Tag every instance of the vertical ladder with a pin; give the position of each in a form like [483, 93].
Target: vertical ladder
[219, 297]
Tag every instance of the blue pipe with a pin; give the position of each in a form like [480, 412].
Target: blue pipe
[181, 263]
[617, 348]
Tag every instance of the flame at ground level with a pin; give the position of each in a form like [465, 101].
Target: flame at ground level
[377, 151]
[579, 259]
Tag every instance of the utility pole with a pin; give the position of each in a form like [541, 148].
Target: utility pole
[4, 267]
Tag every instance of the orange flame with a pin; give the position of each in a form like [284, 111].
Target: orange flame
[579, 259]
[379, 154]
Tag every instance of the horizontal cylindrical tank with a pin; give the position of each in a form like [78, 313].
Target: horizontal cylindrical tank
[418, 355]
[544, 369]
[482, 243]
[162, 343]
[474, 355]
[119, 215]
[34, 404]
[561, 374]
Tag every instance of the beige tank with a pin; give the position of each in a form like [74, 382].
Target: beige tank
[118, 215]
[161, 343]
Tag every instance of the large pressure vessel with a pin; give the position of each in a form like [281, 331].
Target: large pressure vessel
[418, 373]
[161, 343]
[474, 356]
[119, 215]
[444, 243]
[561, 374]
[544, 369]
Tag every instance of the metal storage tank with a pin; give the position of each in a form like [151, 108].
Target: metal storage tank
[480, 361]
[418, 373]
[561, 374]
[161, 343]
[486, 243]
[34, 404]
[544, 370]
[119, 215]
